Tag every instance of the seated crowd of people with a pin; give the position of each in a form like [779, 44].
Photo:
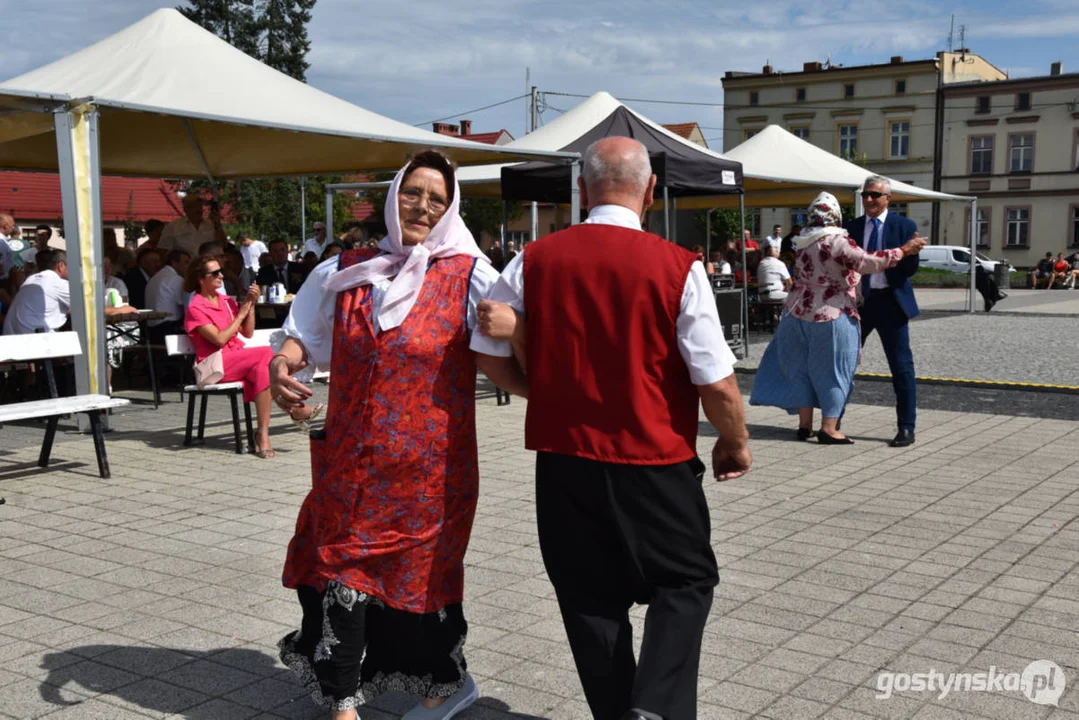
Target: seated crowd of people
[1060, 271]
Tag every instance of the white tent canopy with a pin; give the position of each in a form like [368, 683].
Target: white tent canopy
[164, 85]
[782, 170]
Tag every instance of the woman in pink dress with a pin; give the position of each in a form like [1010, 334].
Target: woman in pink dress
[215, 322]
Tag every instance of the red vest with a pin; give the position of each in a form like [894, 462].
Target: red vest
[606, 380]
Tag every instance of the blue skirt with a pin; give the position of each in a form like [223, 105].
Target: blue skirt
[809, 365]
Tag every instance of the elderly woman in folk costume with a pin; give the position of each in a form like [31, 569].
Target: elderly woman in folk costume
[377, 557]
[811, 360]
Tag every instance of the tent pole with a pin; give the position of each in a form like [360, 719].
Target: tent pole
[533, 225]
[202, 158]
[78, 152]
[505, 225]
[329, 214]
[745, 273]
[575, 193]
[666, 214]
[674, 227]
[973, 252]
[303, 209]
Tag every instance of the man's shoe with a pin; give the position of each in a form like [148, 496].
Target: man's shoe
[636, 714]
[454, 704]
[903, 438]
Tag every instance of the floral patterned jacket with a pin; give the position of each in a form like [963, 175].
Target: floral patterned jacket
[827, 274]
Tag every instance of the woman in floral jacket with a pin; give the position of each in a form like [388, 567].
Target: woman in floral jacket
[811, 360]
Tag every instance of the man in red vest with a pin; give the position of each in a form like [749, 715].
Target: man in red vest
[621, 346]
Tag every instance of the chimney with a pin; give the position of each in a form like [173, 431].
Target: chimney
[443, 128]
[466, 127]
[767, 70]
[1056, 68]
[811, 67]
[897, 60]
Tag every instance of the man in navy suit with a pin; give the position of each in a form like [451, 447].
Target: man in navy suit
[889, 302]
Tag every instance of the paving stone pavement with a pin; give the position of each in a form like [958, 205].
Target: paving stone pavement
[157, 593]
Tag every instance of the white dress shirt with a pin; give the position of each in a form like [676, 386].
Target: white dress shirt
[43, 301]
[115, 283]
[165, 293]
[7, 257]
[770, 276]
[876, 280]
[313, 245]
[310, 320]
[773, 241]
[181, 234]
[699, 332]
[252, 253]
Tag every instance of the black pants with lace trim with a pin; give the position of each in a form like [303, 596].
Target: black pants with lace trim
[350, 647]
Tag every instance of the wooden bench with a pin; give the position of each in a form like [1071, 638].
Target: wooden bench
[47, 347]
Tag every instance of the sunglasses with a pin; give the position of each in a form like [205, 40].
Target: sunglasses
[213, 273]
[867, 194]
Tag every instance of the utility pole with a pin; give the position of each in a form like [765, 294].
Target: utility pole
[533, 228]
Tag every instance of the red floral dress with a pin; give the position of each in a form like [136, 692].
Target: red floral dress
[827, 273]
[396, 479]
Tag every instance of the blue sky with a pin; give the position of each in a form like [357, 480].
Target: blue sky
[418, 60]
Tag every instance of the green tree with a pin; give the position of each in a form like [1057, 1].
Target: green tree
[484, 215]
[234, 21]
[725, 225]
[284, 42]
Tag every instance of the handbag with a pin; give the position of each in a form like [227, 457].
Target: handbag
[211, 368]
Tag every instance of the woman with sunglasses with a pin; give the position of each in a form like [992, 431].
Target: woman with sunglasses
[215, 322]
[378, 556]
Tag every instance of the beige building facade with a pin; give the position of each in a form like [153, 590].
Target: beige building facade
[1015, 145]
[882, 117]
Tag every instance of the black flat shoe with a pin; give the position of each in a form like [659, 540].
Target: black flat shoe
[903, 438]
[805, 433]
[825, 439]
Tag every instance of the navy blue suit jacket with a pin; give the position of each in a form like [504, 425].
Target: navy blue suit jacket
[897, 230]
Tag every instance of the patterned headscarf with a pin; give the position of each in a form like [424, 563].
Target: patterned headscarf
[824, 218]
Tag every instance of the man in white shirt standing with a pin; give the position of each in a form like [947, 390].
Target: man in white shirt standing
[7, 256]
[252, 250]
[165, 293]
[187, 233]
[317, 243]
[619, 358]
[44, 300]
[775, 239]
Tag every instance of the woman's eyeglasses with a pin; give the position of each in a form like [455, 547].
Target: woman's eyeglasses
[411, 197]
[867, 194]
[213, 273]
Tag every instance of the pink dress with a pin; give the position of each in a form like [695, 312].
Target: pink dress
[827, 273]
[242, 364]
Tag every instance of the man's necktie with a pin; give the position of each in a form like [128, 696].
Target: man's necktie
[281, 273]
[874, 237]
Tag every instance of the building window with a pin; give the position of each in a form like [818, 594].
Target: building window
[982, 105]
[899, 209]
[1018, 227]
[750, 133]
[800, 94]
[798, 217]
[900, 87]
[981, 155]
[754, 97]
[1022, 101]
[755, 223]
[1075, 226]
[899, 133]
[800, 132]
[848, 141]
[1022, 152]
[1075, 149]
[981, 228]
[848, 90]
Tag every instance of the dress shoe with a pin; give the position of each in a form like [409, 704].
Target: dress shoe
[903, 438]
[636, 714]
[805, 433]
[825, 439]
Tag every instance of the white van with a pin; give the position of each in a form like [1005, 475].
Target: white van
[955, 258]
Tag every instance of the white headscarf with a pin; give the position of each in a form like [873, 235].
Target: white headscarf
[408, 263]
[824, 218]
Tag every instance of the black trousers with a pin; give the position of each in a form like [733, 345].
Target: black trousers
[613, 535]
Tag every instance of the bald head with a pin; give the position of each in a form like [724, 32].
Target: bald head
[616, 171]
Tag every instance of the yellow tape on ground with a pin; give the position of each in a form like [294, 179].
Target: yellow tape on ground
[968, 381]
